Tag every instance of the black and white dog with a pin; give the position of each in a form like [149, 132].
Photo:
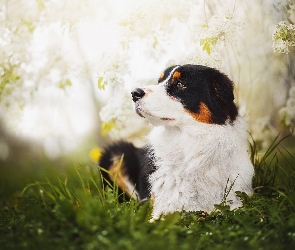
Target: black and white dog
[197, 153]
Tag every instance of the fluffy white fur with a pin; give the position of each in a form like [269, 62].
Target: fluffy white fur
[197, 162]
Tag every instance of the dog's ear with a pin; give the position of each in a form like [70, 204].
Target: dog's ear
[223, 88]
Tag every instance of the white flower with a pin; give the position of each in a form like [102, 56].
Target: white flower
[281, 46]
[147, 18]
[283, 37]
[124, 122]
[220, 31]
[201, 57]
[222, 28]
[286, 117]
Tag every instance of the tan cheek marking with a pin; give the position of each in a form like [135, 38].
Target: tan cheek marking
[117, 175]
[176, 75]
[147, 91]
[204, 115]
[173, 98]
[161, 76]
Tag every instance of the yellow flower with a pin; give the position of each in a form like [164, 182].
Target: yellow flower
[95, 154]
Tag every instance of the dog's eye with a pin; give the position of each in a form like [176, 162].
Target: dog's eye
[180, 85]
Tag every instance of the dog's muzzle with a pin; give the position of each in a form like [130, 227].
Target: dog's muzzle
[137, 94]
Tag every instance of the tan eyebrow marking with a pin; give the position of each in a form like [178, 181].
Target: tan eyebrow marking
[176, 75]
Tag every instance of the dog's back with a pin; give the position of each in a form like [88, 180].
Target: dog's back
[129, 167]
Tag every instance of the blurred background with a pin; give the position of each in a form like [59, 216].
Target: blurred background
[67, 68]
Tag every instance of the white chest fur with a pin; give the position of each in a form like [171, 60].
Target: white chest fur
[197, 165]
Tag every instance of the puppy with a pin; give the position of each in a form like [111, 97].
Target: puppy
[197, 153]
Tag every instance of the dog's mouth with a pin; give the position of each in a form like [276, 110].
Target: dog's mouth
[146, 114]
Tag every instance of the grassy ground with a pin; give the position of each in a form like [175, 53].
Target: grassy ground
[69, 209]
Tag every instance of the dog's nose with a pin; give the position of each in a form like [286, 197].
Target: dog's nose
[137, 94]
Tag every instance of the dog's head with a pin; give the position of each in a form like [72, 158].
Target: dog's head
[187, 91]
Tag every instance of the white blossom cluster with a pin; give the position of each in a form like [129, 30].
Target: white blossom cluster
[280, 4]
[69, 11]
[287, 113]
[113, 69]
[121, 120]
[221, 28]
[148, 18]
[21, 24]
[203, 58]
[220, 31]
[155, 25]
[14, 43]
[283, 37]
[146, 30]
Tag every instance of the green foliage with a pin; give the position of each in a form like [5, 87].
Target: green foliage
[268, 164]
[207, 43]
[108, 126]
[101, 83]
[283, 37]
[8, 78]
[72, 210]
[63, 84]
[284, 31]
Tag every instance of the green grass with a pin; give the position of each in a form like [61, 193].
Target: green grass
[70, 209]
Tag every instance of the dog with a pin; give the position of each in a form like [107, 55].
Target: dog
[197, 152]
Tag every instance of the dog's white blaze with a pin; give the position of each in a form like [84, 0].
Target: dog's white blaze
[170, 75]
[195, 163]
